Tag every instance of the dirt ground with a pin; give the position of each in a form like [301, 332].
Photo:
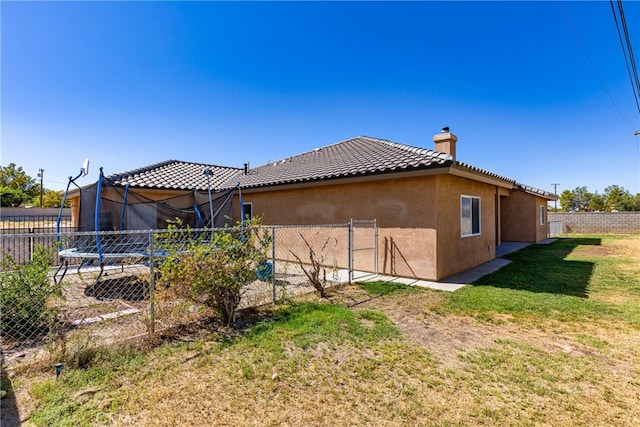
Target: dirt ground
[447, 337]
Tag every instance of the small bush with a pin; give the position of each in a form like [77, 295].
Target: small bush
[26, 292]
[211, 269]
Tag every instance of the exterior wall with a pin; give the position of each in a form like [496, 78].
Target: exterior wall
[598, 222]
[520, 217]
[404, 208]
[457, 253]
[418, 218]
[542, 230]
[518, 214]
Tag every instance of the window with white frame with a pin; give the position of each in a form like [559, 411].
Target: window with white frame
[469, 216]
[543, 212]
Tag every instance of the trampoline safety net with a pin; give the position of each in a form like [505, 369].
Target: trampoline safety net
[105, 206]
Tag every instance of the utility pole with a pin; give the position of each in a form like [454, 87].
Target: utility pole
[555, 191]
[41, 176]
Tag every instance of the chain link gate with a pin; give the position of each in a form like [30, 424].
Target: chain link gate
[364, 248]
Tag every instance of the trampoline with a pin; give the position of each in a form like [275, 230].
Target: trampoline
[115, 221]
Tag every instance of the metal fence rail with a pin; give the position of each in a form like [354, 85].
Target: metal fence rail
[21, 249]
[106, 287]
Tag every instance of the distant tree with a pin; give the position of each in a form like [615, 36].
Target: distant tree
[17, 185]
[597, 203]
[50, 199]
[617, 198]
[635, 202]
[10, 198]
[566, 201]
[614, 198]
[575, 200]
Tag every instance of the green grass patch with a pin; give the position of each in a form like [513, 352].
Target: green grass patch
[570, 279]
[306, 324]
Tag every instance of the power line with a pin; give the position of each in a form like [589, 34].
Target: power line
[627, 51]
[631, 57]
[593, 66]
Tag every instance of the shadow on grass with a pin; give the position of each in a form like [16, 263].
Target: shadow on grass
[382, 288]
[544, 268]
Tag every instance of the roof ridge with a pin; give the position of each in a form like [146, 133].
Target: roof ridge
[162, 164]
[142, 169]
[406, 147]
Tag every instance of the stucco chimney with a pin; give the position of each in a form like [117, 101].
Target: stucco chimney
[445, 142]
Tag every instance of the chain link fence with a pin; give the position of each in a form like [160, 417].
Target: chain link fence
[78, 290]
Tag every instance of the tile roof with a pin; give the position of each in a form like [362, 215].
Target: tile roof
[537, 191]
[353, 157]
[174, 175]
[358, 156]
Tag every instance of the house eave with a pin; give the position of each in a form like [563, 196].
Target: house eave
[379, 176]
[477, 175]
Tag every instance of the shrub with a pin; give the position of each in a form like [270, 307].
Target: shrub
[212, 268]
[26, 292]
[315, 270]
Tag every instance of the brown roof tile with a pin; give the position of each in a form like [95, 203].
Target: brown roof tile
[358, 156]
[353, 157]
[174, 175]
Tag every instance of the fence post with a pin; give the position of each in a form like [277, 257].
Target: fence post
[31, 231]
[375, 246]
[152, 285]
[350, 249]
[273, 264]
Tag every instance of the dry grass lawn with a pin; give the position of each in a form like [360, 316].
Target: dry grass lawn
[364, 358]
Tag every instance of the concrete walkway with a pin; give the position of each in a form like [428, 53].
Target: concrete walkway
[459, 280]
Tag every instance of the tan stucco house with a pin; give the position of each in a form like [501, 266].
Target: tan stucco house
[436, 216]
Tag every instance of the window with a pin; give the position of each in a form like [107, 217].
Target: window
[543, 211]
[248, 210]
[469, 216]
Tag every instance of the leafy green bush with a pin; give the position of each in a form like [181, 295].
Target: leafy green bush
[212, 268]
[26, 292]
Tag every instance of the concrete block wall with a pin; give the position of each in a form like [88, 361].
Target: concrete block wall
[598, 222]
[9, 212]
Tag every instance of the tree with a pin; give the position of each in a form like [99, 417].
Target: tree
[50, 199]
[617, 198]
[16, 185]
[597, 203]
[11, 198]
[575, 200]
[614, 198]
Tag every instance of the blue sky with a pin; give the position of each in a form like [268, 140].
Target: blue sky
[535, 91]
